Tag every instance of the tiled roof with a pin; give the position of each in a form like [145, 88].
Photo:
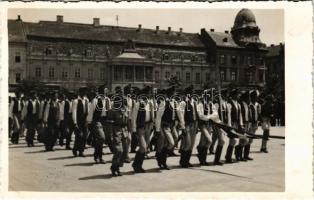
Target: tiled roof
[101, 33]
[223, 39]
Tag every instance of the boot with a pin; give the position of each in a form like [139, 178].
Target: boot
[189, 153]
[211, 149]
[136, 161]
[237, 152]
[199, 154]
[229, 154]
[164, 156]
[241, 154]
[140, 163]
[217, 155]
[183, 159]
[247, 152]
[159, 159]
[205, 151]
[118, 171]
[113, 171]
[133, 143]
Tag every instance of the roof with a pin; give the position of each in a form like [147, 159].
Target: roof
[130, 55]
[53, 29]
[274, 50]
[16, 31]
[244, 18]
[223, 39]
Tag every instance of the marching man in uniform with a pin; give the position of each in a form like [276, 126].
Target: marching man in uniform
[206, 111]
[235, 121]
[118, 119]
[79, 114]
[138, 125]
[255, 109]
[246, 118]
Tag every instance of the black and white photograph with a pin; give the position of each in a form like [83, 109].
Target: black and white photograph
[146, 100]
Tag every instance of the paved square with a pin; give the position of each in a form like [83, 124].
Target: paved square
[32, 169]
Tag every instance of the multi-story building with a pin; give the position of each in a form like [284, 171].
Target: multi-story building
[275, 62]
[75, 55]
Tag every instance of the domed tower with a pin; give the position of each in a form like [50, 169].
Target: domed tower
[245, 32]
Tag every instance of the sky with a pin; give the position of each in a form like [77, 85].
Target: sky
[270, 21]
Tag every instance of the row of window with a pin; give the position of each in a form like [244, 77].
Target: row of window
[223, 59]
[65, 73]
[188, 79]
[131, 73]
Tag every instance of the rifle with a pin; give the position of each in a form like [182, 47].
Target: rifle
[241, 133]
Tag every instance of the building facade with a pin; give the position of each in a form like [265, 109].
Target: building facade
[75, 55]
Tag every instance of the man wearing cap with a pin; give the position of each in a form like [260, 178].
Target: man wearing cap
[222, 107]
[246, 118]
[51, 121]
[79, 114]
[164, 123]
[68, 120]
[30, 112]
[206, 111]
[189, 115]
[235, 121]
[138, 124]
[255, 110]
[117, 117]
[15, 107]
[62, 126]
[267, 113]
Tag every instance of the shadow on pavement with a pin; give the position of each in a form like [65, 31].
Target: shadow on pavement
[20, 147]
[81, 164]
[109, 176]
[41, 151]
[61, 158]
[224, 173]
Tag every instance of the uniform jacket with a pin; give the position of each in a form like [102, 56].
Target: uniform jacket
[179, 113]
[79, 116]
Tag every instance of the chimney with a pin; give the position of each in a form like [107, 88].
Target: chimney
[59, 18]
[169, 29]
[157, 29]
[212, 30]
[139, 27]
[96, 22]
[19, 18]
[227, 32]
[272, 45]
[180, 31]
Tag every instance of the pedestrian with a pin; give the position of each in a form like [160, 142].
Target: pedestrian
[267, 112]
[139, 115]
[51, 121]
[79, 114]
[205, 111]
[235, 121]
[117, 117]
[255, 109]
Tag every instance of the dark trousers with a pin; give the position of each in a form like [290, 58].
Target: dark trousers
[80, 139]
[31, 123]
[117, 148]
[15, 137]
[98, 146]
[63, 131]
[68, 122]
[52, 134]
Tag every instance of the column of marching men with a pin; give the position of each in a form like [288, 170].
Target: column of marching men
[143, 120]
